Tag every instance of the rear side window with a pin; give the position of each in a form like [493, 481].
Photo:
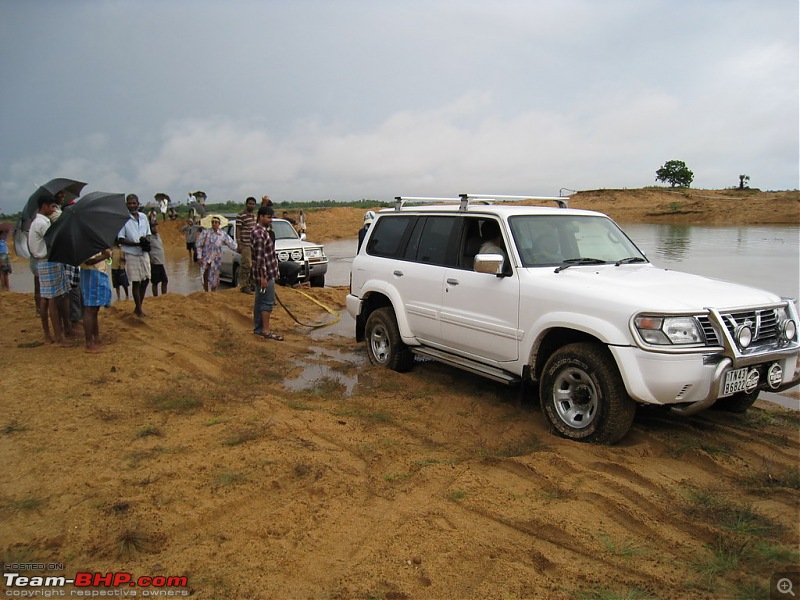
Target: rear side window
[432, 240]
[389, 234]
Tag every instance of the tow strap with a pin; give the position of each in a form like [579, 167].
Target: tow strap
[315, 301]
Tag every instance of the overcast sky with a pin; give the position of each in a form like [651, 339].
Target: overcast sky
[349, 99]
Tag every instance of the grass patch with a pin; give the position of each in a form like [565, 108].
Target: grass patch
[521, 448]
[367, 415]
[327, 386]
[294, 405]
[397, 476]
[13, 427]
[241, 436]
[709, 507]
[624, 550]
[179, 403]
[456, 495]
[767, 481]
[695, 445]
[776, 555]
[26, 504]
[421, 464]
[131, 542]
[554, 494]
[138, 456]
[606, 594]
[724, 557]
[148, 431]
[226, 342]
[228, 477]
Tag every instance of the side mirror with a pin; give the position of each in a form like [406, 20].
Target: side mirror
[489, 263]
[303, 237]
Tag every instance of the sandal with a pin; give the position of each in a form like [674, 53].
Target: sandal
[271, 336]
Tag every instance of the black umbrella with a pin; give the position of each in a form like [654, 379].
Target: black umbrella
[200, 209]
[87, 227]
[70, 187]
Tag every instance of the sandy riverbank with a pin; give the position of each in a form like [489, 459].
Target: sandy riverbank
[296, 470]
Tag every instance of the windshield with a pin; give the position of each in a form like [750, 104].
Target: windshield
[556, 239]
[284, 230]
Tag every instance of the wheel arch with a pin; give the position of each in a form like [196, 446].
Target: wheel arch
[549, 342]
[371, 302]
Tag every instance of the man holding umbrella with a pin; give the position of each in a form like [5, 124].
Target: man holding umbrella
[133, 239]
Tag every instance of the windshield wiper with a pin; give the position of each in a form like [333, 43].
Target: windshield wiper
[571, 262]
[629, 260]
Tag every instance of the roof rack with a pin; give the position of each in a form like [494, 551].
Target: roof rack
[561, 201]
[464, 200]
[399, 201]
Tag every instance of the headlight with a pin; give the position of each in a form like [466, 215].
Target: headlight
[314, 252]
[297, 254]
[662, 331]
[283, 255]
[786, 325]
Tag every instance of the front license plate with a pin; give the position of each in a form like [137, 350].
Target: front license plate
[738, 380]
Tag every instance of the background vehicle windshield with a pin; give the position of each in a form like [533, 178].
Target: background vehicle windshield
[284, 230]
[552, 240]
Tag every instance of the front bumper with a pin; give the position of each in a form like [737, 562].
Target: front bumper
[692, 382]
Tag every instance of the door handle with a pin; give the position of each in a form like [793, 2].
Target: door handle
[397, 273]
[452, 281]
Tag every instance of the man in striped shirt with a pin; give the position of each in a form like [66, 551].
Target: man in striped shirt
[245, 221]
[265, 272]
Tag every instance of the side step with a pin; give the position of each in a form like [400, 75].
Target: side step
[467, 365]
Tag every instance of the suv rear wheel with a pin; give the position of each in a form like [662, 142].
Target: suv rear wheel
[384, 346]
[583, 397]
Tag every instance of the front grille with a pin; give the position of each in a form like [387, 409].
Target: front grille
[763, 322]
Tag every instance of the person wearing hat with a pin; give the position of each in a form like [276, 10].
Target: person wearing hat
[369, 217]
[209, 252]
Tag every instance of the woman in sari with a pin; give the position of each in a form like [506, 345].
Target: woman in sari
[209, 253]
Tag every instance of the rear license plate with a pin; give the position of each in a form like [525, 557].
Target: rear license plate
[739, 380]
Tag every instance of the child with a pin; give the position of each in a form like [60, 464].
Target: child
[5, 263]
[119, 278]
[96, 291]
[158, 274]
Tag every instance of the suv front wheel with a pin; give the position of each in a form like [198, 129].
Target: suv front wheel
[384, 346]
[583, 397]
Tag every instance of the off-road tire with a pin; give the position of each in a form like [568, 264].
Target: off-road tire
[318, 281]
[738, 403]
[235, 276]
[583, 397]
[385, 348]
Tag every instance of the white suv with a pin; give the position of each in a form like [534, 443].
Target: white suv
[570, 304]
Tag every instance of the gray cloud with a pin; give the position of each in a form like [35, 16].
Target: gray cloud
[352, 99]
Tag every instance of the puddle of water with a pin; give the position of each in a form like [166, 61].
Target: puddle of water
[786, 401]
[315, 372]
[345, 327]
